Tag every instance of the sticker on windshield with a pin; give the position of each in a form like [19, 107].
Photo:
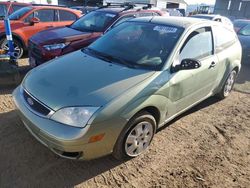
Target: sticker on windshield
[165, 29]
[110, 15]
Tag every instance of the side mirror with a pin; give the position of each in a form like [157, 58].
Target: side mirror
[34, 20]
[187, 64]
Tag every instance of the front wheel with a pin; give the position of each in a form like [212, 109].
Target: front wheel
[136, 137]
[228, 86]
[18, 48]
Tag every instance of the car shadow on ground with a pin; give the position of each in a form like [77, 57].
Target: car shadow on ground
[27, 163]
[243, 81]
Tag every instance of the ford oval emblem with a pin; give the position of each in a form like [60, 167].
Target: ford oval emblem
[30, 101]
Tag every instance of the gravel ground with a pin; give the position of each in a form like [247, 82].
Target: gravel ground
[209, 146]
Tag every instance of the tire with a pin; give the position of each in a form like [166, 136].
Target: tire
[17, 46]
[228, 85]
[141, 138]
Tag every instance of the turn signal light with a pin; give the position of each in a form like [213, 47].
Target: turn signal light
[96, 138]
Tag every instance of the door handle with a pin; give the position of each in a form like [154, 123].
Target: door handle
[213, 64]
[50, 26]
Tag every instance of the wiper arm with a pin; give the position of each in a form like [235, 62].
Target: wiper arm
[97, 54]
[110, 58]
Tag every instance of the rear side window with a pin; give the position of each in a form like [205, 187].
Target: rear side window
[17, 7]
[45, 15]
[223, 37]
[2, 10]
[198, 45]
[66, 16]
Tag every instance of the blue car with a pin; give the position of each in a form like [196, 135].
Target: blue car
[242, 27]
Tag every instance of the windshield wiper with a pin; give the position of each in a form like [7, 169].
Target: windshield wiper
[109, 58]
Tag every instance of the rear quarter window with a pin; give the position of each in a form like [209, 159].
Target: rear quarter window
[66, 16]
[223, 37]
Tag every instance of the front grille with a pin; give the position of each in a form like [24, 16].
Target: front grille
[35, 105]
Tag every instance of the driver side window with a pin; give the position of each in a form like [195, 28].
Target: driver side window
[198, 45]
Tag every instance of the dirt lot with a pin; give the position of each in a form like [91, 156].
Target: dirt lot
[209, 146]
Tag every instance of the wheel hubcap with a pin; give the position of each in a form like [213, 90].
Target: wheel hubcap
[17, 49]
[229, 84]
[139, 139]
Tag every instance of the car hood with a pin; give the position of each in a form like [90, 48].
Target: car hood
[60, 34]
[245, 41]
[78, 79]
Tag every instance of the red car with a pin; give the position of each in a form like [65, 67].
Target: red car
[29, 20]
[5, 6]
[52, 43]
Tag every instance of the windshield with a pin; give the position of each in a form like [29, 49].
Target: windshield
[2, 10]
[95, 21]
[136, 44]
[238, 24]
[245, 30]
[19, 13]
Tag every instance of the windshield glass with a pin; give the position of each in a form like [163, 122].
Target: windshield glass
[2, 10]
[245, 30]
[238, 24]
[136, 44]
[95, 21]
[19, 13]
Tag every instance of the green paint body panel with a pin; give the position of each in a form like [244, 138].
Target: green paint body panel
[78, 79]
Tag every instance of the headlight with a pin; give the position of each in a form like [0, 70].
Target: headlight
[55, 46]
[74, 116]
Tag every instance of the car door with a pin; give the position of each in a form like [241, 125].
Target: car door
[65, 18]
[190, 86]
[46, 17]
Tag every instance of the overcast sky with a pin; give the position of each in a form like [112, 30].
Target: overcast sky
[200, 1]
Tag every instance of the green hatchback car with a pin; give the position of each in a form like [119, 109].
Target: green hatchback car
[112, 96]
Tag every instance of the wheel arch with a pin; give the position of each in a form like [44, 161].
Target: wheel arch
[17, 37]
[154, 111]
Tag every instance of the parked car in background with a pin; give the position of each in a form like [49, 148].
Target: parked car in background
[240, 23]
[29, 20]
[242, 27]
[85, 10]
[112, 96]
[215, 17]
[12, 7]
[53, 43]
[174, 12]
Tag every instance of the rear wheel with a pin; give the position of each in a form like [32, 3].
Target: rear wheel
[136, 137]
[228, 86]
[18, 48]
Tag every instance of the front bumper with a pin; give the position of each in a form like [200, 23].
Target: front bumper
[67, 141]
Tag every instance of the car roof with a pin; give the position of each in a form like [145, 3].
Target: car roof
[242, 20]
[122, 10]
[183, 22]
[35, 7]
